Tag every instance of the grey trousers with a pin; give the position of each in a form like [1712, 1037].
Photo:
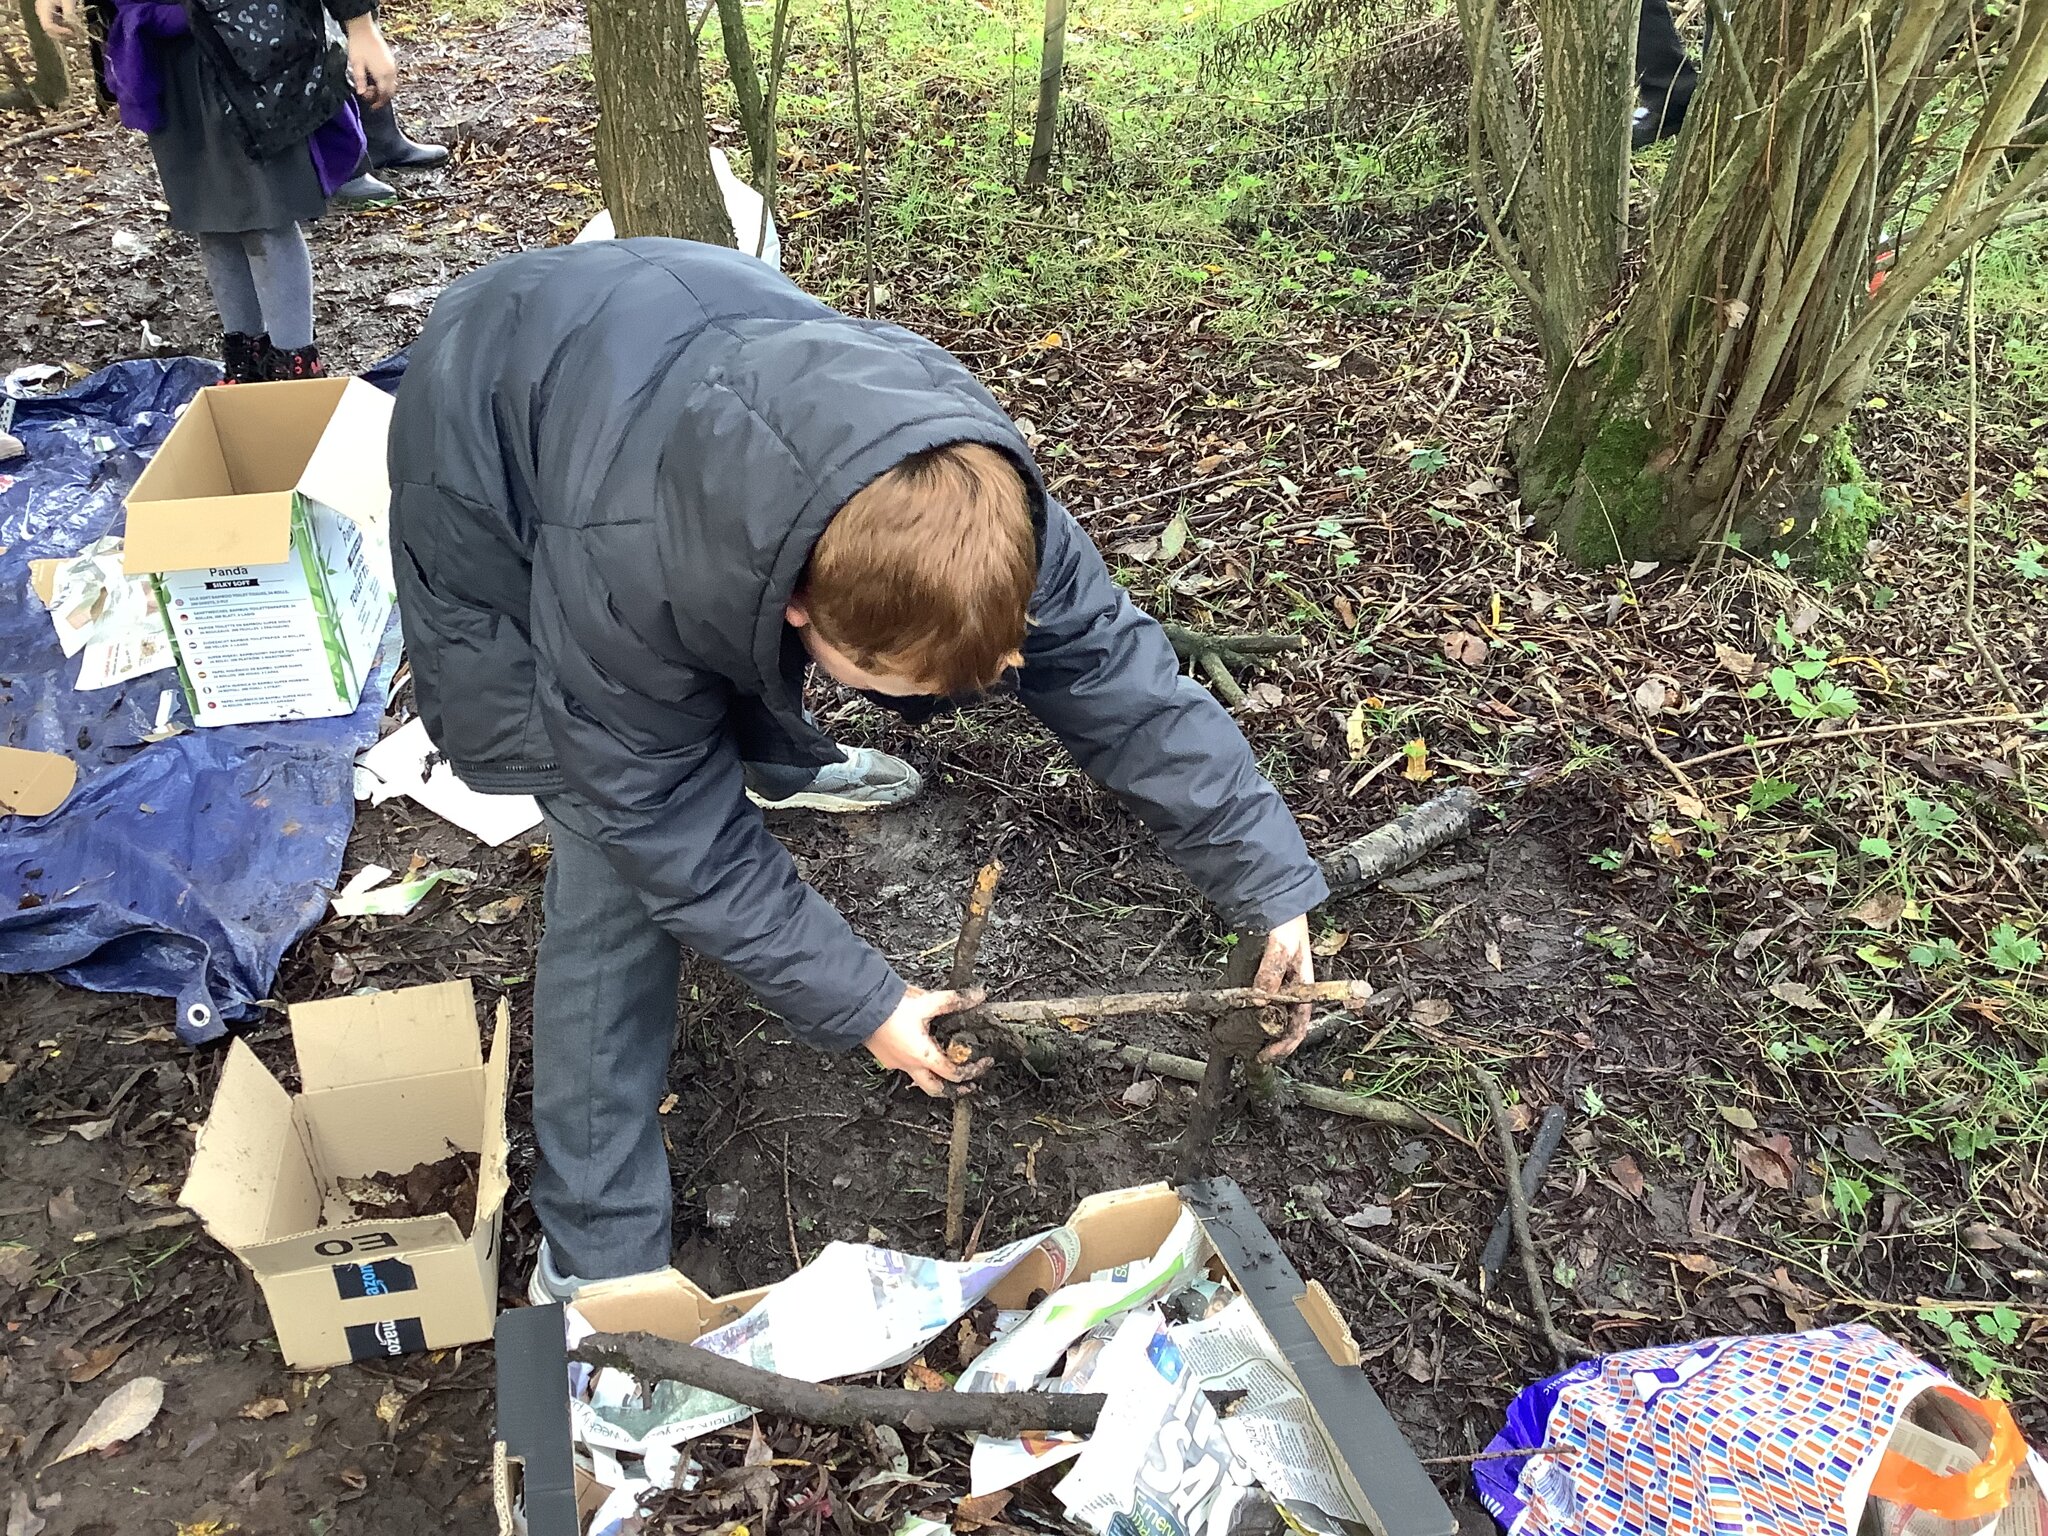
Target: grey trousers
[604, 1025]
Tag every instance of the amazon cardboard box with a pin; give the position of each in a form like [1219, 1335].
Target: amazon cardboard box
[388, 1081]
[541, 1491]
[263, 521]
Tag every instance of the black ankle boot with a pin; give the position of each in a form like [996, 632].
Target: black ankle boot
[245, 359]
[391, 150]
[296, 363]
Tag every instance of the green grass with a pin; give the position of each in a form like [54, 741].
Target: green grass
[1177, 189]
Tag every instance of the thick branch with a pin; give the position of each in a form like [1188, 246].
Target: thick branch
[1118, 1005]
[1401, 842]
[989, 1413]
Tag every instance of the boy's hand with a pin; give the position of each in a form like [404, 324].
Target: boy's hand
[904, 1042]
[1288, 959]
[371, 68]
[62, 19]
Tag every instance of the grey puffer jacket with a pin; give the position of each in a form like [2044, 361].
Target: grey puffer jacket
[609, 464]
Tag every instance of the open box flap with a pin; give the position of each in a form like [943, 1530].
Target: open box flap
[492, 1180]
[346, 470]
[413, 1032]
[667, 1304]
[354, 1241]
[250, 1176]
[207, 532]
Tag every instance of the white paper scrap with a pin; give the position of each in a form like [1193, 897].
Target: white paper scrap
[397, 765]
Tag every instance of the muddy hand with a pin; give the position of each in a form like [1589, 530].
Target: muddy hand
[962, 1050]
[1288, 959]
[904, 1043]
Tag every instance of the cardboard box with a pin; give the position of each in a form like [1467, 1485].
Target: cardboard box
[389, 1080]
[263, 519]
[1389, 1486]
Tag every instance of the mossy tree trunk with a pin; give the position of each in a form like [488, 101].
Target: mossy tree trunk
[1697, 396]
[653, 150]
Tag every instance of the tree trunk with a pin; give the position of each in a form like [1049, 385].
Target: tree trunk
[1704, 400]
[1051, 65]
[1585, 148]
[746, 84]
[50, 83]
[653, 152]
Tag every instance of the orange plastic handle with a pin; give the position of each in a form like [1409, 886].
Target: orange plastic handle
[1973, 1493]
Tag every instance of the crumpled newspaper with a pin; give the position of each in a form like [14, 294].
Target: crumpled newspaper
[103, 613]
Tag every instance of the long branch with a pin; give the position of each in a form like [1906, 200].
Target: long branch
[1118, 1005]
[989, 1413]
[1887, 728]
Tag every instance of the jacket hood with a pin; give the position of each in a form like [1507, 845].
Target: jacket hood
[784, 423]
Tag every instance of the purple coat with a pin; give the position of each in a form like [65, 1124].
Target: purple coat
[134, 78]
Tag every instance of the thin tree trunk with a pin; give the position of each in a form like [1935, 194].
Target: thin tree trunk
[746, 83]
[653, 153]
[1051, 65]
[860, 144]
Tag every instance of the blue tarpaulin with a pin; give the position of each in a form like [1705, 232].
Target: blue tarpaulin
[184, 867]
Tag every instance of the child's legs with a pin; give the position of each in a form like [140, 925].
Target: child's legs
[604, 1022]
[233, 284]
[282, 269]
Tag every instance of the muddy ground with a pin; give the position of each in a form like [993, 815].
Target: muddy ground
[1559, 960]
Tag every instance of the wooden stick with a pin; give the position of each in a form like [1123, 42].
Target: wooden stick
[1332, 1101]
[1192, 642]
[170, 1221]
[1317, 1205]
[1514, 1455]
[1549, 1133]
[1218, 672]
[965, 949]
[1420, 830]
[1117, 1005]
[1816, 738]
[1518, 1208]
[50, 131]
[990, 1413]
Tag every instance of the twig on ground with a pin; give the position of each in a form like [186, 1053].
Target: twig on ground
[1333, 1101]
[796, 1254]
[1187, 916]
[965, 950]
[1514, 1455]
[1218, 672]
[168, 1222]
[1355, 995]
[1317, 1204]
[1984, 651]
[1414, 833]
[48, 131]
[1549, 1133]
[1190, 643]
[1426, 880]
[1518, 1208]
[990, 1413]
[1888, 727]
[1247, 473]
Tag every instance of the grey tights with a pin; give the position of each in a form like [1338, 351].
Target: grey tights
[262, 281]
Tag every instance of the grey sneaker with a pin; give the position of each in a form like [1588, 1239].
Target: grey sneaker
[862, 780]
[550, 1285]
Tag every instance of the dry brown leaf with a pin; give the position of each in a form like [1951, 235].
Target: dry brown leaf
[264, 1408]
[65, 1214]
[1770, 1162]
[1740, 665]
[919, 1377]
[18, 1264]
[1330, 943]
[980, 1509]
[1430, 1012]
[8, 1069]
[1695, 1263]
[1263, 696]
[1628, 1176]
[959, 1050]
[1467, 650]
[1879, 910]
[90, 1130]
[1417, 768]
[122, 1415]
[496, 912]
[1736, 1116]
[83, 1365]
[1650, 695]
[1799, 995]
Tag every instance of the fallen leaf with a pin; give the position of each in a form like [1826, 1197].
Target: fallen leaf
[1367, 1217]
[1734, 312]
[1417, 768]
[1769, 1162]
[91, 1130]
[1174, 538]
[265, 1408]
[18, 1264]
[81, 1366]
[122, 1415]
[1736, 1116]
[1330, 943]
[22, 1520]
[493, 913]
[1628, 1176]
[1695, 1263]
[1467, 650]
[343, 971]
[919, 1377]
[1143, 1093]
[1799, 995]
[959, 1050]
[65, 1215]
[1417, 1364]
[1049, 341]
[391, 1407]
[8, 1069]
[1145, 550]
[1263, 696]
[980, 1509]
[1861, 1143]
[1738, 664]
[1979, 1239]
[668, 1105]
[1650, 695]
[1354, 733]
[1642, 568]
[1430, 1012]
[1879, 910]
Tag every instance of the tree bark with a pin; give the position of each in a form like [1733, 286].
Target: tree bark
[1051, 66]
[653, 153]
[746, 84]
[50, 83]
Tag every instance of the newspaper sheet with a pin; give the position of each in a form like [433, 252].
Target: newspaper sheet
[96, 607]
[1022, 1358]
[1272, 1428]
[851, 1310]
[1159, 1463]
